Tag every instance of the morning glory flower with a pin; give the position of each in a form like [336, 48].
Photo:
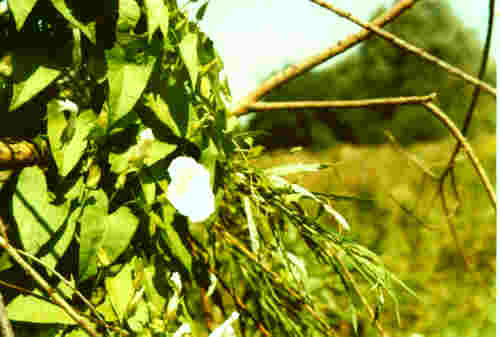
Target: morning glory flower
[190, 191]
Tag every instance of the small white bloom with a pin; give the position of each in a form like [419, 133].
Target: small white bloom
[225, 329]
[176, 279]
[183, 329]
[146, 134]
[190, 191]
[67, 105]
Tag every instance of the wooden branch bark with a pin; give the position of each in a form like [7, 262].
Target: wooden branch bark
[293, 71]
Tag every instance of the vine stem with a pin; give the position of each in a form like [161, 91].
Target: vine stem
[408, 47]
[55, 297]
[468, 149]
[307, 64]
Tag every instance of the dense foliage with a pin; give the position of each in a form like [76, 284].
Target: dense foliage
[113, 94]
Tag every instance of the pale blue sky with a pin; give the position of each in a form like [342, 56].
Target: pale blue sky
[255, 37]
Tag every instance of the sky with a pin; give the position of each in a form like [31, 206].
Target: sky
[255, 37]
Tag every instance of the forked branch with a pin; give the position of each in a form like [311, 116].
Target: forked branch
[295, 70]
[408, 47]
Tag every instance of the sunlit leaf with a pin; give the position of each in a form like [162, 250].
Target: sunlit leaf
[29, 308]
[21, 9]
[129, 14]
[87, 29]
[188, 48]
[36, 82]
[121, 289]
[157, 14]
[127, 81]
[92, 232]
[68, 156]
[120, 227]
[38, 219]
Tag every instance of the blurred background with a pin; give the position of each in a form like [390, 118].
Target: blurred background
[383, 189]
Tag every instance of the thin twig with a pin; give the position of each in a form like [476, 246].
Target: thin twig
[411, 157]
[409, 47]
[475, 95]
[58, 299]
[362, 103]
[67, 283]
[468, 149]
[5, 325]
[293, 71]
[358, 292]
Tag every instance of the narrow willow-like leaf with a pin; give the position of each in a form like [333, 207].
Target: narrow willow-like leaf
[189, 53]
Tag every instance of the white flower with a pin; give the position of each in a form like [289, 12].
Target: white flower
[146, 134]
[67, 105]
[225, 329]
[190, 191]
[183, 329]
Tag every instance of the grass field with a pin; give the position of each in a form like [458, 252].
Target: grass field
[398, 214]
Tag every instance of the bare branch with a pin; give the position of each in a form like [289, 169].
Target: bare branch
[362, 103]
[58, 299]
[475, 95]
[468, 149]
[295, 70]
[5, 325]
[409, 47]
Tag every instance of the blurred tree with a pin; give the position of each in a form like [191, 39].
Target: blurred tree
[378, 69]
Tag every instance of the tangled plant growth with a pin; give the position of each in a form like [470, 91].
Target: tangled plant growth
[134, 206]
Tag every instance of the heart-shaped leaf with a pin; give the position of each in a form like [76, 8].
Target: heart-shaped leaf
[38, 220]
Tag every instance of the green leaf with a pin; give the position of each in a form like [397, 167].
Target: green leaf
[157, 14]
[127, 81]
[189, 54]
[87, 29]
[57, 248]
[121, 289]
[157, 301]
[200, 13]
[36, 82]
[158, 151]
[5, 262]
[162, 112]
[129, 15]
[173, 240]
[28, 308]
[121, 226]
[252, 227]
[209, 158]
[37, 219]
[68, 156]
[148, 187]
[21, 9]
[93, 232]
